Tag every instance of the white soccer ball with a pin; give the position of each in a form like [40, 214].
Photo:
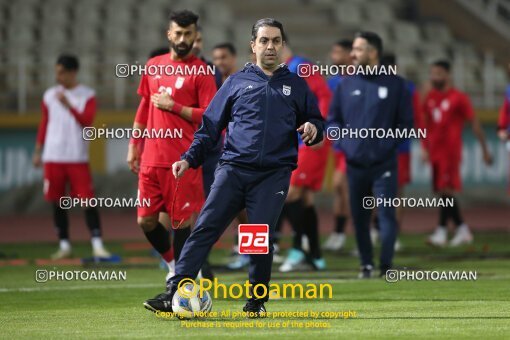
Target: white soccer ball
[187, 301]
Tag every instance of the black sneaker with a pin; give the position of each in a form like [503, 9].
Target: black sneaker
[160, 303]
[365, 272]
[255, 309]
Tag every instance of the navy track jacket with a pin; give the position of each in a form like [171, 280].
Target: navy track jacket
[380, 102]
[261, 114]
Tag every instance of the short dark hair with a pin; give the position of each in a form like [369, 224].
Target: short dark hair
[159, 51]
[389, 59]
[184, 18]
[373, 40]
[69, 62]
[444, 64]
[344, 43]
[267, 22]
[228, 46]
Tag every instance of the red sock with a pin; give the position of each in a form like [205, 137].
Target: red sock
[169, 255]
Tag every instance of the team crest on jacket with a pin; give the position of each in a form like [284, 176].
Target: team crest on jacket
[179, 82]
[286, 90]
[383, 92]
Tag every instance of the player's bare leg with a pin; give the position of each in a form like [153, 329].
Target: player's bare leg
[336, 240]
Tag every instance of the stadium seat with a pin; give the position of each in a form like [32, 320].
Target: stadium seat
[22, 12]
[217, 12]
[432, 51]
[379, 12]
[438, 32]
[119, 15]
[500, 78]
[348, 14]
[406, 33]
[151, 18]
[58, 15]
[117, 36]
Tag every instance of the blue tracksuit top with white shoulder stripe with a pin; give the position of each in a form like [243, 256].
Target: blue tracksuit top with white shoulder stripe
[380, 102]
[261, 115]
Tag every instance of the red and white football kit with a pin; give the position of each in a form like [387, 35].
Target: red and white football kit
[155, 180]
[65, 152]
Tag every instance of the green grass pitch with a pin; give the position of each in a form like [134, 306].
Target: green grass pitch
[417, 309]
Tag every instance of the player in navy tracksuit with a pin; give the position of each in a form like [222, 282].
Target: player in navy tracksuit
[261, 106]
[376, 101]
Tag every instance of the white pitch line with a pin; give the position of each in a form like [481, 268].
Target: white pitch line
[155, 285]
[112, 286]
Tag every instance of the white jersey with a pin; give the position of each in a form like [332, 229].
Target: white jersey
[64, 141]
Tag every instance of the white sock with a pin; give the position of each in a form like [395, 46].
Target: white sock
[65, 245]
[97, 242]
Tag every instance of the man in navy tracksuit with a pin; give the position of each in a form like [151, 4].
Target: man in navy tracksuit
[362, 102]
[261, 106]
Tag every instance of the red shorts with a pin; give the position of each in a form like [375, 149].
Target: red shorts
[159, 186]
[340, 162]
[404, 168]
[446, 175]
[310, 168]
[57, 175]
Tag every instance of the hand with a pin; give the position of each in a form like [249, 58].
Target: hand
[36, 159]
[63, 99]
[503, 135]
[308, 132]
[179, 168]
[162, 101]
[425, 155]
[487, 157]
[133, 158]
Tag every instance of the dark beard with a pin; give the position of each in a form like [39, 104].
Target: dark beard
[181, 52]
[439, 85]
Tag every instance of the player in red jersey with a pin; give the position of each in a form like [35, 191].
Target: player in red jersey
[172, 101]
[446, 109]
[306, 179]
[67, 108]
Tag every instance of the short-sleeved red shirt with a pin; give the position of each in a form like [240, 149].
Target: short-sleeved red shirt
[444, 116]
[194, 89]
